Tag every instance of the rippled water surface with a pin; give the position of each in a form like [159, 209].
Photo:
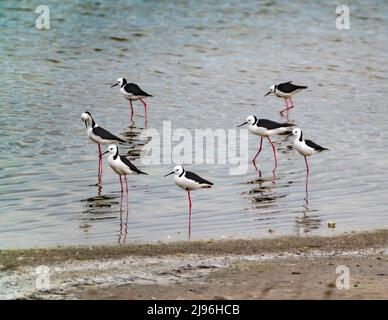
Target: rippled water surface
[208, 65]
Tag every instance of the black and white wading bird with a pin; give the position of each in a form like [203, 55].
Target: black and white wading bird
[100, 136]
[122, 166]
[188, 181]
[132, 92]
[266, 128]
[285, 90]
[306, 148]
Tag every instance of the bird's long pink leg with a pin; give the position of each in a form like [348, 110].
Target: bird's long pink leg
[145, 110]
[292, 104]
[99, 163]
[130, 103]
[126, 190]
[274, 154]
[188, 193]
[286, 101]
[307, 176]
[260, 148]
[126, 213]
[121, 209]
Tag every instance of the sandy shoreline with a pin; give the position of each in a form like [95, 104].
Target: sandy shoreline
[286, 267]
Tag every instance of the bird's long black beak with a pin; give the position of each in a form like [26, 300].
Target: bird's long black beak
[267, 93]
[169, 173]
[242, 124]
[116, 84]
[105, 152]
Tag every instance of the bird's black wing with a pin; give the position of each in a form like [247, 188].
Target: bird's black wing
[269, 124]
[131, 165]
[315, 146]
[197, 178]
[288, 87]
[135, 90]
[101, 132]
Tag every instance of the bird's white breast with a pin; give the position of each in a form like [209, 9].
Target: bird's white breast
[185, 183]
[260, 131]
[118, 166]
[303, 148]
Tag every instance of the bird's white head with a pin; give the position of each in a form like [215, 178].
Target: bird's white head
[251, 120]
[177, 170]
[271, 90]
[112, 149]
[119, 82]
[87, 118]
[296, 132]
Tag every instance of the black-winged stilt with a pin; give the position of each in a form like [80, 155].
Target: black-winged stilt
[123, 167]
[189, 181]
[98, 135]
[285, 90]
[306, 148]
[266, 128]
[132, 92]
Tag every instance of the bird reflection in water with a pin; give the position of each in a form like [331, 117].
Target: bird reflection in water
[99, 208]
[264, 194]
[123, 231]
[307, 223]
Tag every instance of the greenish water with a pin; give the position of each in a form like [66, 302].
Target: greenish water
[208, 65]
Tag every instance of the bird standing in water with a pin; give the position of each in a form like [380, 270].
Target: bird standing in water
[189, 181]
[265, 128]
[100, 136]
[306, 148]
[285, 90]
[132, 92]
[123, 167]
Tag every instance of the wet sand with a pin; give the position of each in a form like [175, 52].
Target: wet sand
[276, 268]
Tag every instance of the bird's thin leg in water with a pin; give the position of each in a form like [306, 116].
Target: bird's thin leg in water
[274, 154]
[126, 214]
[188, 193]
[126, 190]
[286, 101]
[99, 163]
[292, 104]
[145, 110]
[130, 103]
[307, 176]
[121, 208]
[260, 148]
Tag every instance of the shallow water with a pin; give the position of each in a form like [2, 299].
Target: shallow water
[208, 66]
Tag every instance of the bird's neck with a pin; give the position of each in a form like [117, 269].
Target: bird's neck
[124, 83]
[91, 124]
[116, 154]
